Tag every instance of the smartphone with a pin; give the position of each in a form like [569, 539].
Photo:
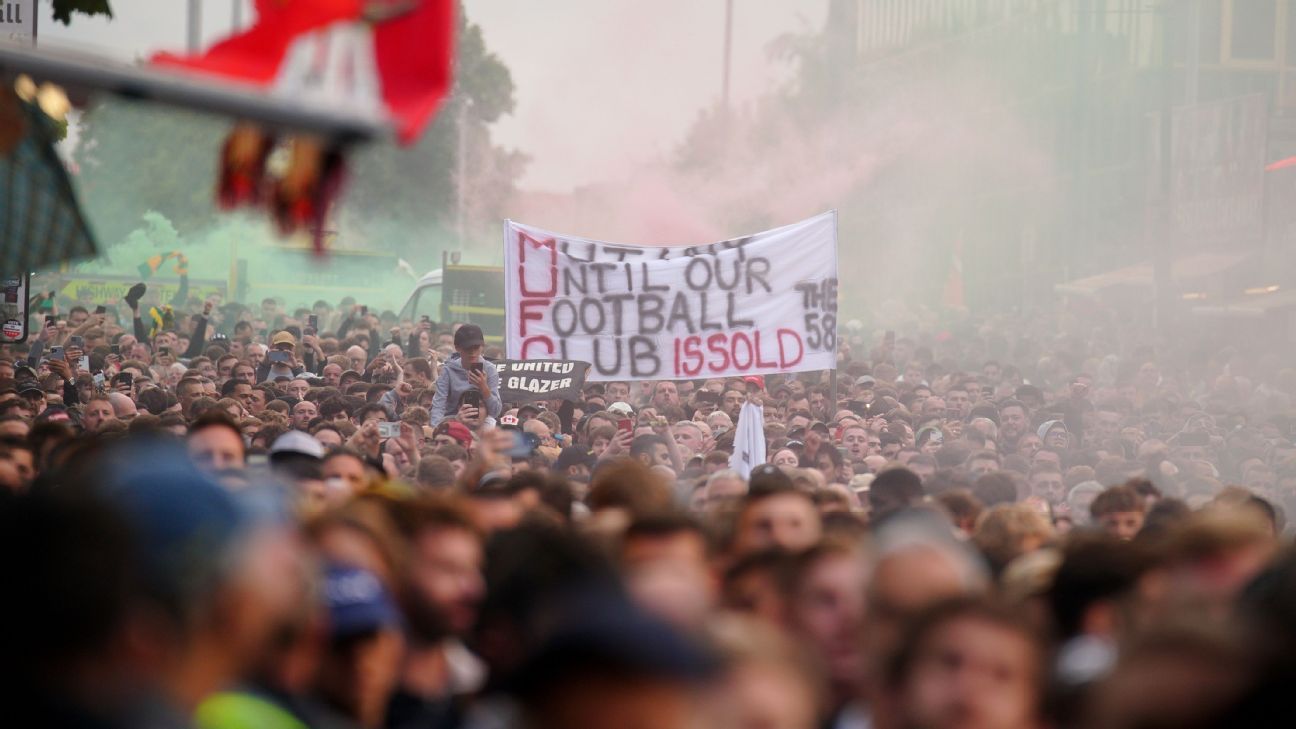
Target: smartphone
[164, 350]
[125, 378]
[99, 380]
[115, 349]
[76, 341]
[389, 430]
[625, 425]
[471, 397]
[56, 352]
[101, 309]
[280, 356]
[50, 319]
[314, 322]
[477, 367]
[84, 362]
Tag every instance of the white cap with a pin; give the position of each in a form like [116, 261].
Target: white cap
[621, 407]
[295, 441]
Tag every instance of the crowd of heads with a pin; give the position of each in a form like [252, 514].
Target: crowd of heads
[327, 517]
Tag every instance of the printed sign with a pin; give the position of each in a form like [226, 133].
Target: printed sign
[89, 290]
[18, 21]
[762, 304]
[540, 380]
[13, 308]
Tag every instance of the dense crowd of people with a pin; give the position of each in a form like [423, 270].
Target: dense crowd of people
[226, 517]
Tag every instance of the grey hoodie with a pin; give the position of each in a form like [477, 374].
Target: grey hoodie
[453, 383]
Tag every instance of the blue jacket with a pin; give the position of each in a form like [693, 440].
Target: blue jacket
[453, 383]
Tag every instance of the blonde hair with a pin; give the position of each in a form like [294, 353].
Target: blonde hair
[1002, 532]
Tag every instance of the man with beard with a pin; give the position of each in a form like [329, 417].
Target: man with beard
[443, 588]
[1014, 421]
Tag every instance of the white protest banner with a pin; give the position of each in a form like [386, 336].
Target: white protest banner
[762, 304]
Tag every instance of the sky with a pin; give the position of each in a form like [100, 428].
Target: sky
[602, 85]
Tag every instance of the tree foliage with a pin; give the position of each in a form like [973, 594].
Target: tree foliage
[63, 9]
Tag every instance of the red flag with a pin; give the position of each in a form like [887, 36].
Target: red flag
[399, 51]
[415, 59]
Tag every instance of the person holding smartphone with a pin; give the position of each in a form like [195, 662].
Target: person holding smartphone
[466, 379]
[281, 360]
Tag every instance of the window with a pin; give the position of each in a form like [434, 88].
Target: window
[1251, 31]
[1291, 32]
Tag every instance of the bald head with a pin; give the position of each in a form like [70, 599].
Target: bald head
[123, 407]
[537, 427]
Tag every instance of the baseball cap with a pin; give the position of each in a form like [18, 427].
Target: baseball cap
[31, 387]
[173, 510]
[621, 407]
[469, 335]
[931, 433]
[821, 427]
[455, 430]
[1050, 425]
[299, 443]
[534, 408]
[356, 602]
[865, 380]
[756, 380]
[508, 420]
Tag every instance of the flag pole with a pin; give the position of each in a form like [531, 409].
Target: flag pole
[193, 22]
[832, 375]
[728, 53]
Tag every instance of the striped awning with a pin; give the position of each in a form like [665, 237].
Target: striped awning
[41, 222]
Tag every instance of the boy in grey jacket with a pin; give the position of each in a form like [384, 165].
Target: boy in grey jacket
[461, 374]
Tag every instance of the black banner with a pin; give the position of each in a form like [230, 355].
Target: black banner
[528, 381]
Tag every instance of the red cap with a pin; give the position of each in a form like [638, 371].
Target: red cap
[756, 380]
[458, 431]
